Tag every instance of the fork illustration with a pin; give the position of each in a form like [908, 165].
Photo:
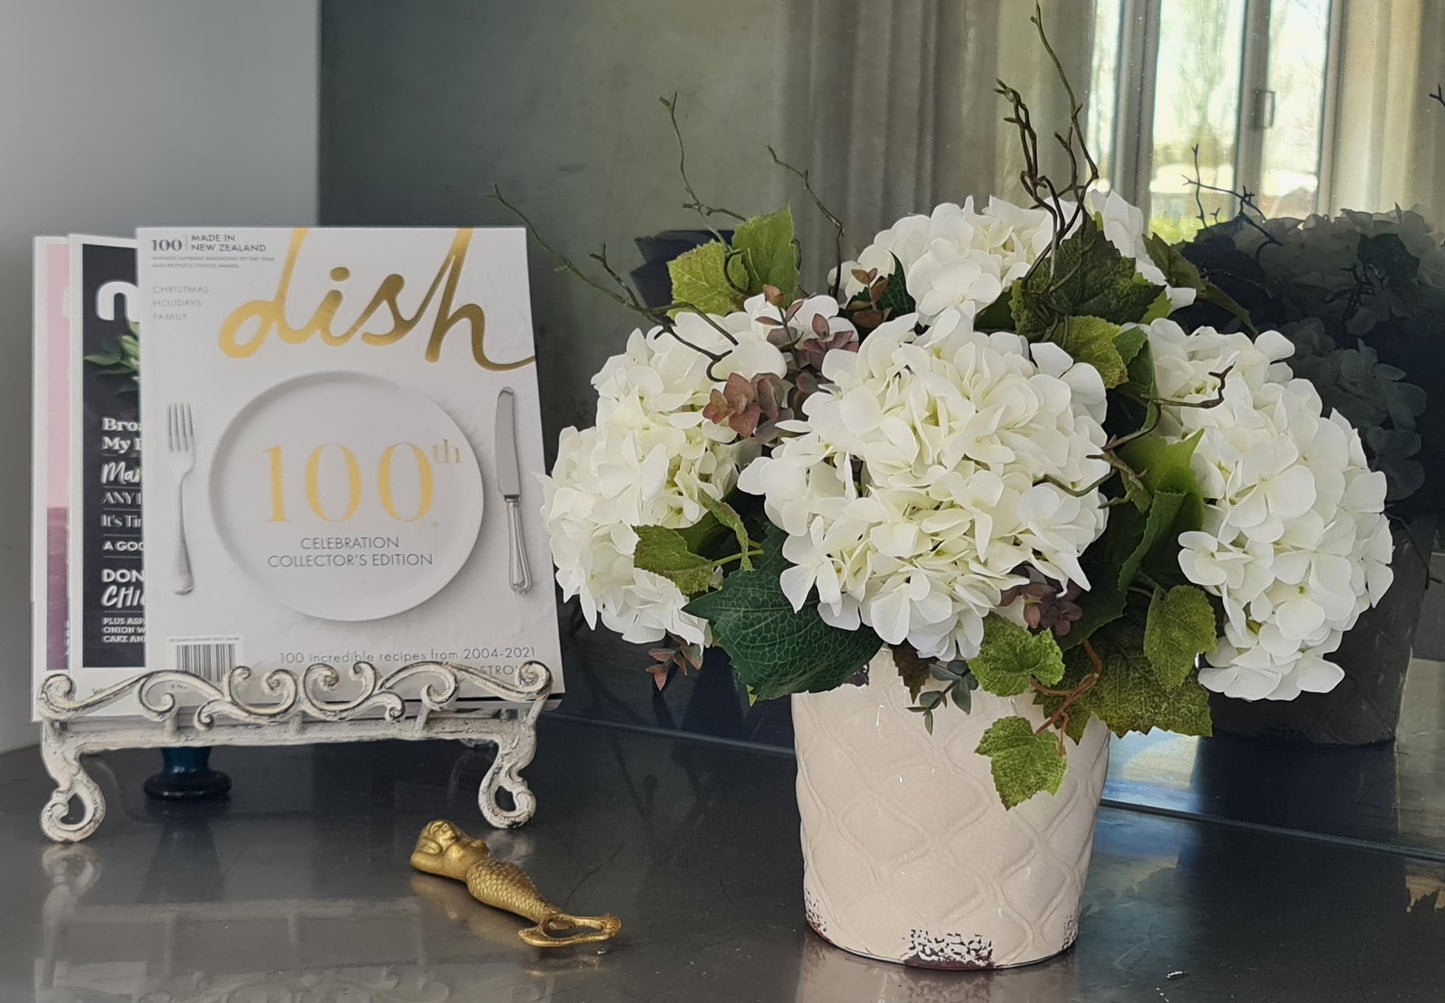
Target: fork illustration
[181, 438]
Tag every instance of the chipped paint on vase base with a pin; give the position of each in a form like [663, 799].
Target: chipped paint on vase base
[910, 857]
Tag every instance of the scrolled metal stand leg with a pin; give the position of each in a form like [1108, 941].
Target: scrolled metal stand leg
[516, 745]
[514, 753]
[62, 762]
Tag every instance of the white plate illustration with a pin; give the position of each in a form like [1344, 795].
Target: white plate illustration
[345, 496]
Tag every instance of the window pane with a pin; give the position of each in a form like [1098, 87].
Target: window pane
[1104, 88]
[1298, 42]
[1196, 98]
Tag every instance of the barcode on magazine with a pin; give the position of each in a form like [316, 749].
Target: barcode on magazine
[208, 657]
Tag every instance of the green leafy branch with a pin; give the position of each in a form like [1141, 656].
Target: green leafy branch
[916, 671]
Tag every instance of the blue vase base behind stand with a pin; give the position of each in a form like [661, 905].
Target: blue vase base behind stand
[187, 776]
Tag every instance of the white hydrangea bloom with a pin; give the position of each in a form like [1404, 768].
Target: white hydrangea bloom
[1294, 540]
[959, 257]
[957, 439]
[647, 462]
[956, 257]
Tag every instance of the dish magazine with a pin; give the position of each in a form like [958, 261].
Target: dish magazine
[343, 438]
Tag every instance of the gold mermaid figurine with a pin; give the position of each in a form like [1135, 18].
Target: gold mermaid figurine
[443, 849]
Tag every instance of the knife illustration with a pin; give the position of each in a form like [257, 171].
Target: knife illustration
[509, 480]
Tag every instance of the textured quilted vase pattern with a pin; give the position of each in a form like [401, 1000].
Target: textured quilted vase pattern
[909, 856]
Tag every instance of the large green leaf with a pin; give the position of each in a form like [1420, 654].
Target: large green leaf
[1022, 763]
[700, 279]
[1086, 277]
[766, 243]
[665, 552]
[1010, 654]
[1180, 628]
[774, 650]
[1129, 695]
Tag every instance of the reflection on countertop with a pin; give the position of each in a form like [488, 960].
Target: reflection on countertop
[297, 889]
[1391, 794]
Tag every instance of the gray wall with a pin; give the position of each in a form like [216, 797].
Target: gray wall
[119, 113]
[425, 107]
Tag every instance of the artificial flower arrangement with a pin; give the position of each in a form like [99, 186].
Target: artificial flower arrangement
[987, 445]
[1361, 297]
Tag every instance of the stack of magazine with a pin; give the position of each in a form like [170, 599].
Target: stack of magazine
[339, 434]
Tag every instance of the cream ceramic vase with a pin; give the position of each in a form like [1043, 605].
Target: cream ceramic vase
[909, 855]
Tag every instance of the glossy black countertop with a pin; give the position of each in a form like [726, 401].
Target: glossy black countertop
[297, 889]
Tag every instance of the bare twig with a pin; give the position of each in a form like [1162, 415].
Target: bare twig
[704, 211]
[628, 298]
[828, 213]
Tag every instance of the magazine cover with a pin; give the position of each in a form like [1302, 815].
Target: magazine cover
[106, 579]
[50, 457]
[343, 437]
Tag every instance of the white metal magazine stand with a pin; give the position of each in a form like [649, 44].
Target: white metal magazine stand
[318, 704]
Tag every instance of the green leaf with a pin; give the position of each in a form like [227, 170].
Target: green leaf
[895, 299]
[1010, 654]
[1162, 307]
[1164, 509]
[1085, 277]
[1102, 604]
[1211, 293]
[998, 315]
[1022, 763]
[702, 533]
[1178, 270]
[728, 516]
[1132, 407]
[1128, 696]
[1143, 381]
[664, 551]
[774, 650]
[767, 246]
[700, 282]
[1129, 343]
[912, 670]
[1091, 340]
[104, 358]
[1179, 629]
[1164, 464]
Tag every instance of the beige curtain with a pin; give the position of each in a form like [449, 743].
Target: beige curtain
[1389, 134]
[891, 103]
